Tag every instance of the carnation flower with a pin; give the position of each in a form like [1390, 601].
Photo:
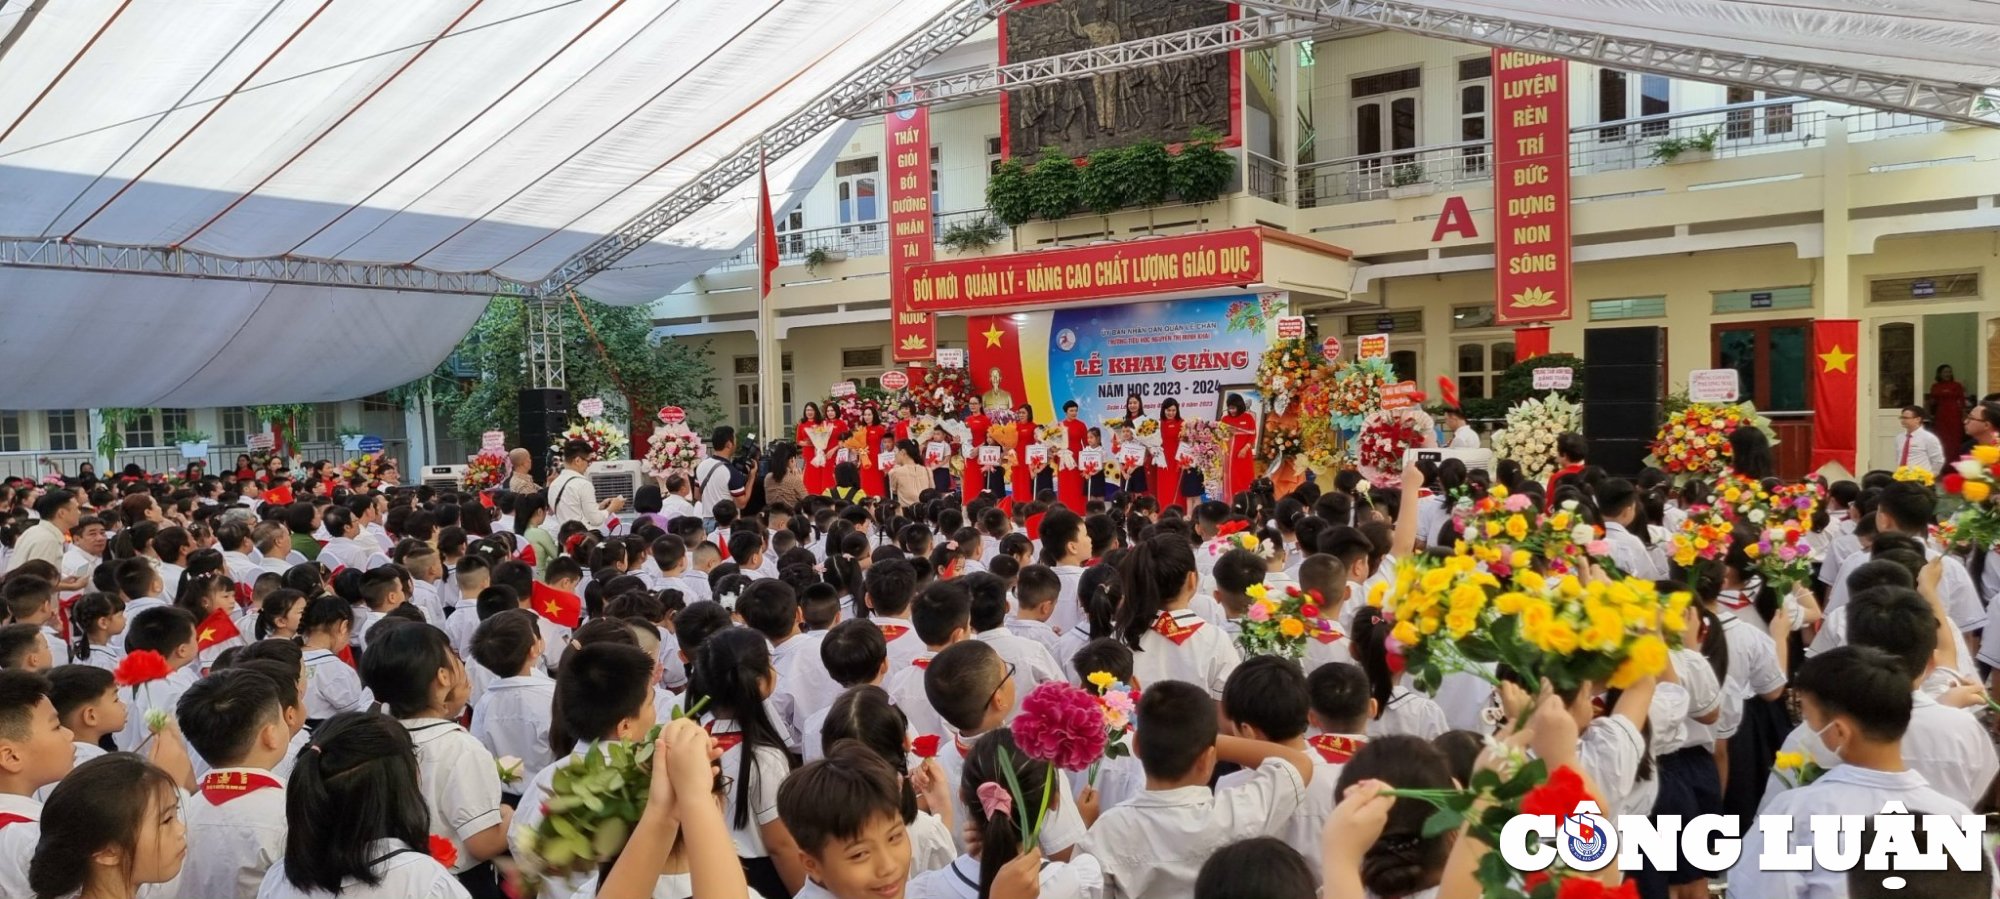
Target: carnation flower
[1060, 724]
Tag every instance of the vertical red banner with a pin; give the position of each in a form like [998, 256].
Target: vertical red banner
[1531, 260]
[1836, 386]
[908, 135]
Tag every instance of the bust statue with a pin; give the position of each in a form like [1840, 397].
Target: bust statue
[996, 396]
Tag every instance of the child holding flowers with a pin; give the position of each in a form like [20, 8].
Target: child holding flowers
[995, 764]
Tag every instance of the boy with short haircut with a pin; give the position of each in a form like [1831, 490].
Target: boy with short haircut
[1155, 844]
[290, 679]
[1035, 593]
[771, 608]
[746, 549]
[1266, 700]
[972, 690]
[706, 556]
[1324, 574]
[23, 649]
[1857, 705]
[35, 752]
[140, 585]
[512, 717]
[32, 600]
[819, 606]
[236, 721]
[668, 563]
[845, 813]
[605, 694]
[1236, 571]
[1121, 778]
[473, 576]
[566, 575]
[890, 585]
[943, 616]
[426, 571]
[853, 654]
[88, 703]
[1032, 662]
[382, 590]
[169, 631]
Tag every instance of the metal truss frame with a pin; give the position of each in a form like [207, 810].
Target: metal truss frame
[545, 343]
[83, 256]
[894, 67]
[1939, 100]
[1250, 32]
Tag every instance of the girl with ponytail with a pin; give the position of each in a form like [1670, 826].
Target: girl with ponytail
[989, 807]
[279, 615]
[1168, 640]
[94, 619]
[1100, 591]
[358, 827]
[865, 715]
[732, 670]
[116, 805]
[1398, 709]
[1400, 860]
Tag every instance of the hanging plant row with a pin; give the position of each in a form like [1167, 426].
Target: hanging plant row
[1144, 174]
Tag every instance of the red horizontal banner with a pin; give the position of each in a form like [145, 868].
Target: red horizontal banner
[1155, 265]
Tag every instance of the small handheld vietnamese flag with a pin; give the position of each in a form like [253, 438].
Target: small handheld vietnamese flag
[279, 496]
[559, 606]
[216, 628]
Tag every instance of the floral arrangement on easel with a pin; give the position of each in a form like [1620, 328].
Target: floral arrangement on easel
[1205, 446]
[1286, 369]
[944, 391]
[1529, 437]
[1694, 443]
[1356, 391]
[484, 470]
[672, 448]
[606, 442]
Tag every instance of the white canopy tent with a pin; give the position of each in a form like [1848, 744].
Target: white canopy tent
[354, 178]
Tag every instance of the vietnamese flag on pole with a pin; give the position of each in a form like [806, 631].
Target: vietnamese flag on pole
[559, 606]
[1836, 391]
[767, 233]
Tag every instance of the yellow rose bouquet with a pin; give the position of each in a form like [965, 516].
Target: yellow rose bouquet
[1453, 615]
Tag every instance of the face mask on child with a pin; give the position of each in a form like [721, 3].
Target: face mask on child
[1822, 754]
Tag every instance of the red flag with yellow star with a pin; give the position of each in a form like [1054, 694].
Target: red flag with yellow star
[216, 628]
[1836, 383]
[994, 343]
[559, 606]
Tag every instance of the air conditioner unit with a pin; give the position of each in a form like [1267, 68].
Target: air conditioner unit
[619, 478]
[441, 477]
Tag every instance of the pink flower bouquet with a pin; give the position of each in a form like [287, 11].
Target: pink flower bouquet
[1062, 725]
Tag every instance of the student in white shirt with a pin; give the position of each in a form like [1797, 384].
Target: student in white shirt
[169, 632]
[118, 805]
[771, 608]
[1266, 700]
[356, 765]
[1101, 590]
[1947, 745]
[1917, 446]
[605, 694]
[236, 818]
[1170, 642]
[90, 703]
[1034, 601]
[853, 840]
[1618, 502]
[32, 600]
[411, 669]
[332, 684]
[1462, 434]
[863, 715]
[1032, 661]
[1858, 707]
[96, 620]
[733, 671]
[1065, 547]
[37, 754]
[512, 717]
[943, 617]
[983, 792]
[1156, 843]
[853, 654]
[890, 587]
[345, 547]
[1398, 709]
[972, 690]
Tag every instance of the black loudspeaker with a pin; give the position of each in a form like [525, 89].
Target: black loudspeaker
[544, 416]
[1622, 393]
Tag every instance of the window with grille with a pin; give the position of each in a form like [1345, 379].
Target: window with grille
[235, 422]
[1467, 318]
[173, 421]
[1628, 308]
[867, 357]
[10, 432]
[65, 429]
[142, 429]
[325, 423]
[1964, 285]
[993, 155]
[1480, 366]
[1388, 82]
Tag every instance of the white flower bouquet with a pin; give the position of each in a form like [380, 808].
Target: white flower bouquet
[1530, 435]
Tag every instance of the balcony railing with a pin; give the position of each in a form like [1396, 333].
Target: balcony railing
[856, 241]
[1741, 129]
[161, 459]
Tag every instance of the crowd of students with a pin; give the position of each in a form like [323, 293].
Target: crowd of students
[208, 694]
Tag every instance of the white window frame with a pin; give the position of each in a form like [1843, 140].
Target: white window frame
[1474, 160]
[13, 432]
[847, 196]
[233, 424]
[864, 376]
[1488, 376]
[1634, 100]
[71, 437]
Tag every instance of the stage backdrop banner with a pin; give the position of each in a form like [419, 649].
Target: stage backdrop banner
[1208, 260]
[1531, 241]
[908, 133]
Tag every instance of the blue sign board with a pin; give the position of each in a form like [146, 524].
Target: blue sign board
[371, 444]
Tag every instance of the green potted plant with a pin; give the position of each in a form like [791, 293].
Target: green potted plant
[350, 438]
[1407, 180]
[821, 256]
[977, 233]
[1686, 148]
[193, 443]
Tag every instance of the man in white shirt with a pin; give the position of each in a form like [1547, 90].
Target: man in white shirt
[344, 548]
[370, 511]
[1462, 434]
[572, 497]
[712, 476]
[59, 510]
[677, 504]
[1858, 706]
[1917, 446]
[85, 553]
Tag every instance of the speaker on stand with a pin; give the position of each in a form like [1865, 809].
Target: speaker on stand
[544, 416]
[1622, 395]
